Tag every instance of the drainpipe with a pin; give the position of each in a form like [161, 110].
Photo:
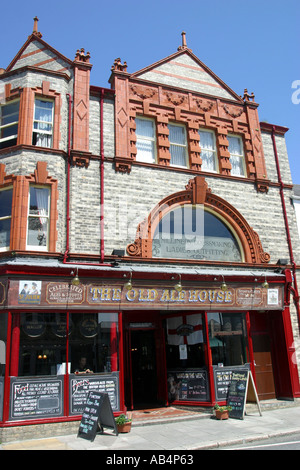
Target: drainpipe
[101, 179]
[68, 181]
[295, 288]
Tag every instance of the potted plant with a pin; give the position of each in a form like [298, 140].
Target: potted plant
[123, 423]
[222, 412]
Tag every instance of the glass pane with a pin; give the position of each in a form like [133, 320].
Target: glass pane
[189, 331]
[235, 145]
[37, 232]
[206, 140]
[145, 150]
[42, 343]
[5, 233]
[94, 342]
[9, 131]
[178, 155]
[41, 139]
[208, 160]
[43, 110]
[39, 199]
[189, 232]
[9, 113]
[227, 338]
[5, 203]
[176, 134]
[237, 165]
[144, 128]
[43, 126]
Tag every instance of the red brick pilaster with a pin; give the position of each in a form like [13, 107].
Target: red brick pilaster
[194, 146]
[225, 165]
[81, 97]
[163, 144]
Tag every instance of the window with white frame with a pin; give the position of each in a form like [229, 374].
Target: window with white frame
[5, 218]
[237, 159]
[43, 123]
[9, 119]
[145, 140]
[38, 218]
[178, 145]
[208, 150]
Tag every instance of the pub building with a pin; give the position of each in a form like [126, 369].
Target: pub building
[148, 246]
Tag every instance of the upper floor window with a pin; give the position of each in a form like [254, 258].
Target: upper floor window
[5, 218]
[43, 123]
[9, 119]
[145, 140]
[208, 150]
[237, 159]
[178, 145]
[38, 218]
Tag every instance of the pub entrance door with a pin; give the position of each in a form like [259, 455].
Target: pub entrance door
[145, 366]
[270, 355]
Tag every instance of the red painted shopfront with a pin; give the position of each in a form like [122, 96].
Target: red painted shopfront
[151, 343]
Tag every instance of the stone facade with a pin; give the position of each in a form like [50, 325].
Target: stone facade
[101, 130]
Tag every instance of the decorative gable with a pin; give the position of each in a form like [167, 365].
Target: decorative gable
[181, 89]
[37, 53]
[186, 71]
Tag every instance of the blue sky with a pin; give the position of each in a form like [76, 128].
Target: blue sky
[249, 44]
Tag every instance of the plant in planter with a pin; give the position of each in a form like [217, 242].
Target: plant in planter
[123, 423]
[222, 412]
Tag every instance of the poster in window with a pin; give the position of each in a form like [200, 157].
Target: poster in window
[30, 292]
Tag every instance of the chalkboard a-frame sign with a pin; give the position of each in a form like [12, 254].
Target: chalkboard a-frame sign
[97, 415]
[241, 388]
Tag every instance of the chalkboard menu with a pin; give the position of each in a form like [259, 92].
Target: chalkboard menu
[189, 385]
[237, 393]
[97, 414]
[1, 396]
[81, 385]
[222, 379]
[36, 398]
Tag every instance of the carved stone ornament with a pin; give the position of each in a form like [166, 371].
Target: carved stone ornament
[175, 99]
[142, 92]
[203, 105]
[233, 111]
[81, 56]
[118, 66]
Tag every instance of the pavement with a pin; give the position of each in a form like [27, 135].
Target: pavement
[197, 431]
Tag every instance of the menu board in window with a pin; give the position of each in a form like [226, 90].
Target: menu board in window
[81, 385]
[36, 398]
[189, 385]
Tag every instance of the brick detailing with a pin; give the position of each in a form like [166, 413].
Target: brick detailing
[163, 144]
[197, 192]
[224, 155]
[194, 146]
[81, 99]
[166, 102]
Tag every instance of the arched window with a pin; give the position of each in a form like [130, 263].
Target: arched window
[196, 224]
[192, 232]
